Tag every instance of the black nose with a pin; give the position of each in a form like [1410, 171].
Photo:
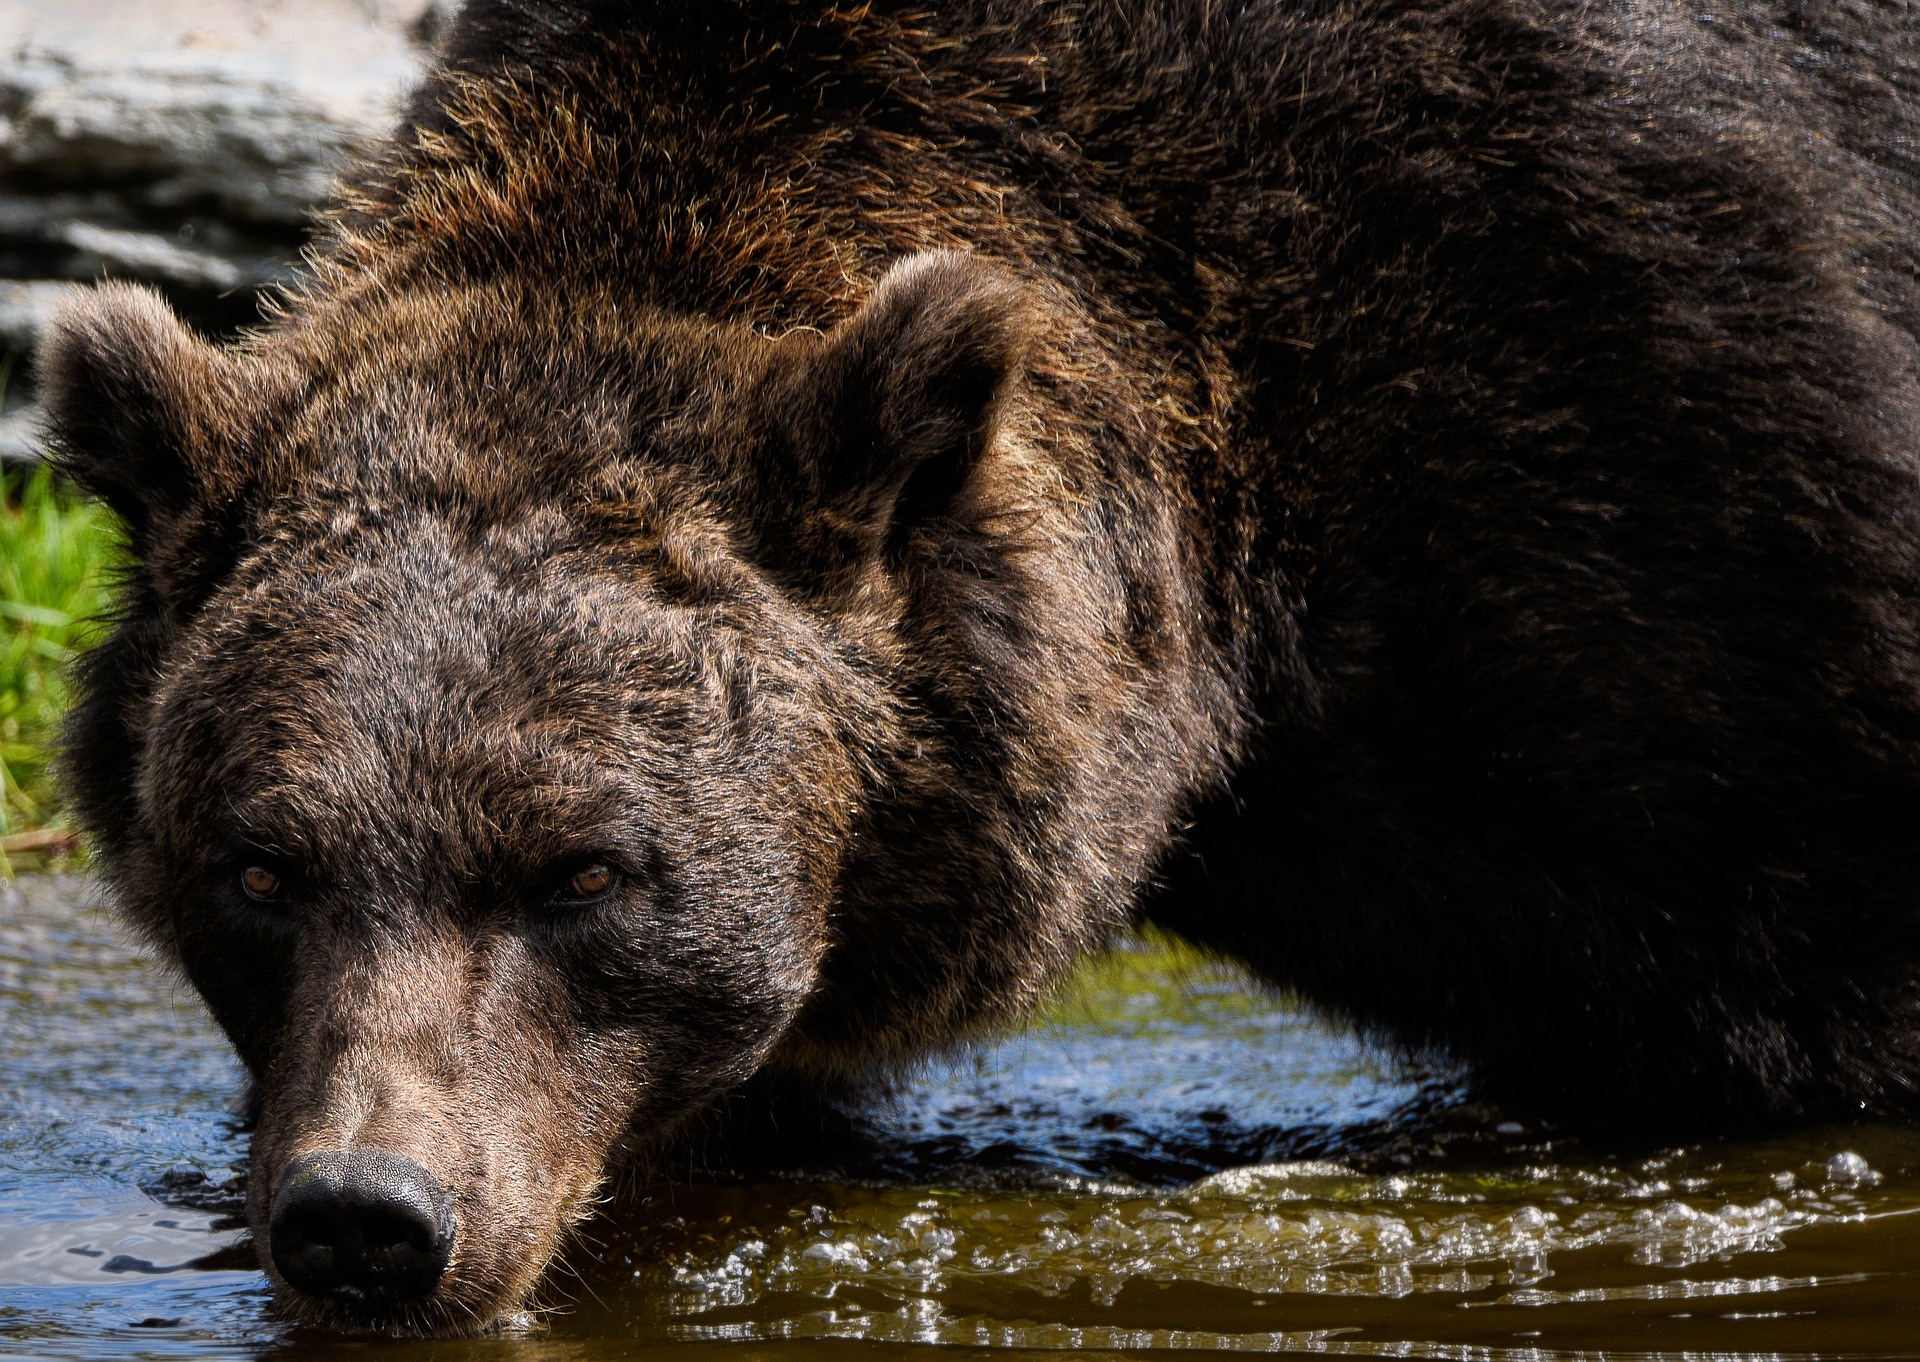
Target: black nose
[362, 1227]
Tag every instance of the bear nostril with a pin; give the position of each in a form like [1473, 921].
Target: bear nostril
[362, 1227]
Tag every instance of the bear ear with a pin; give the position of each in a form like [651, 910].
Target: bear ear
[135, 406]
[899, 402]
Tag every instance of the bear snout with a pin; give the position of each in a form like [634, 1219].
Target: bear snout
[361, 1227]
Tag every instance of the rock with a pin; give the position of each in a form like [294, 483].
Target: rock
[25, 305]
[183, 142]
[20, 441]
[243, 104]
[155, 256]
[24, 308]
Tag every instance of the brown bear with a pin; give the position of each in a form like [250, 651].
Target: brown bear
[773, 527]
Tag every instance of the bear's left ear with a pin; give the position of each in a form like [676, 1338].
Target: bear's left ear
[898, 403]
[149, 417]
[135, 404]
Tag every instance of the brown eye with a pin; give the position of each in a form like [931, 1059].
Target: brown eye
[591, 882]
[260, 883]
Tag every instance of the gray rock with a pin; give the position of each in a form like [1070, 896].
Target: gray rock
[152, 255]
[243, 104]
[25, 305]
[24, 308]
[20, 441]
[182, 142]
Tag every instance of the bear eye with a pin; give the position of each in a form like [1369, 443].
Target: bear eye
[590, 882]
[260, 884]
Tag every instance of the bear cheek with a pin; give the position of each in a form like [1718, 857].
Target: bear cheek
[244, 976]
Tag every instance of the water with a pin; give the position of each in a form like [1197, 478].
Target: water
[1167, 1160]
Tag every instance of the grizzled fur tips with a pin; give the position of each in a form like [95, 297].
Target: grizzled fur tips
[773, 528]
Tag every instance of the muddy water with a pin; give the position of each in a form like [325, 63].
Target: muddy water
[1165, 1161]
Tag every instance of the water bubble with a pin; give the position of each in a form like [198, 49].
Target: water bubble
[1848, 1169]
[839, 1253]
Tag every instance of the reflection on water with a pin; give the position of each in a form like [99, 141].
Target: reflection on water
[1166, 1160]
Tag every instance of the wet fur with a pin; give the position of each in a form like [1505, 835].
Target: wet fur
[1421, 498]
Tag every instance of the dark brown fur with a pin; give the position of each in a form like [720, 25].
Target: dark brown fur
[1420, 497]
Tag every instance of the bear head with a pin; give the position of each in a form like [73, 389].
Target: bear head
[498, 687]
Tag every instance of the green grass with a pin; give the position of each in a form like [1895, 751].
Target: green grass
[57, 553]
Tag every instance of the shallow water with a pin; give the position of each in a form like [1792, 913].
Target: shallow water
[1167, 1160]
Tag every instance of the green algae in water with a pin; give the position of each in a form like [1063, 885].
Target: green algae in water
[1165, 1159]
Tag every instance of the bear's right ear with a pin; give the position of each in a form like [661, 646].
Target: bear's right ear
[137, 407]
[892, 410]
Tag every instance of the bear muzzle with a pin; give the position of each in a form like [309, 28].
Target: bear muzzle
[364, 1228]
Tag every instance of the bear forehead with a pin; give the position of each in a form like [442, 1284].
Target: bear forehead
[416, 636]
[471, 748]
[516, 376]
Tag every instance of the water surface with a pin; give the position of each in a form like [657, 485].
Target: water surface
[1167, 1160]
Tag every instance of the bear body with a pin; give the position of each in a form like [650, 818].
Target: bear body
[773, 529]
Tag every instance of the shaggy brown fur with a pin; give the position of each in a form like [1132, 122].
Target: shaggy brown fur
[1421, 496]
